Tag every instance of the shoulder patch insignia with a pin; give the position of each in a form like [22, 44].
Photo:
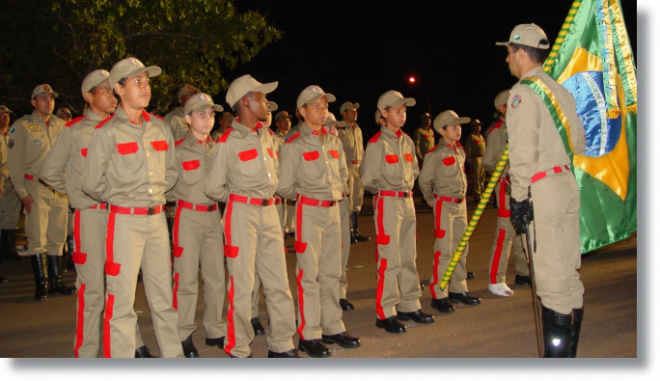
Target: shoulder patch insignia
[11, 131]
[515, 102]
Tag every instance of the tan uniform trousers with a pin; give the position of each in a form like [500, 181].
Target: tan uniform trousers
[397, 279]
[133, 242]
[45, 225]
[556, 230]
[318, 268]
[253, 244]
[356, 197]
[450, 223]
[344, 212]
[506, 240]
[10, 210]
[197, 239]
[477, 175]
[89, 227]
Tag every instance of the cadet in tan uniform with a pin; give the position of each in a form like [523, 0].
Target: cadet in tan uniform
[505, 240]
[313, 171]
[30, 139]
[350, 135]
[540, 170]
[389, 171]
[475, 147]
[243, 174]
[423, 138]
[62, 169]
[443, 184]
[130, 165]
[175, 119]
[10, 204]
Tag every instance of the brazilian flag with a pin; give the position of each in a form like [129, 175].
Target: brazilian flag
[593, 59]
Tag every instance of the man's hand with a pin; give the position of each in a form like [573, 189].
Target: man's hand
[27, 203]
[521, 215]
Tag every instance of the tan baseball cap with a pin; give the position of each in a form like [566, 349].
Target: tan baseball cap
[528, 35]
[394, 98]
[272, 106]
[130, 67]
[312, 93]
[282, 115]
[448, 118]
[501, 98]
[4, 109]
[185, 90]
[93, 79]
[200, 102]
[63, 110]
[425, 116]
[244, 85]
[346, 105]
[43, 90]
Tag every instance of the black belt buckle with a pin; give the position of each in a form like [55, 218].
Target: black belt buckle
[265, 201]
[209, 208]
[151, 211]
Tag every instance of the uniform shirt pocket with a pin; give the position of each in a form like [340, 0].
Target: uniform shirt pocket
[248, 155]
[448, 161]
[191, 172]
[127, 154]
[334, 153]
[408, 157]
[312, 155]
[391, 159]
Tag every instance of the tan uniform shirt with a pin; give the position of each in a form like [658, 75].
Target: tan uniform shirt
[130, 165]
[4, 170]
[351, 139]
[65, 162]
[535, 144]
[497, 140]
[177, 124]
[475, 145]
[313, 167]
[390, 164]
[443, 172]
[424, 140]
[193, 160]
[243, 163]
[30, 139]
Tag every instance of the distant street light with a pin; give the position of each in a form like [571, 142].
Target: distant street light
[412, 79]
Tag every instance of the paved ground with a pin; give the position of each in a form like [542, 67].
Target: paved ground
[499, 328]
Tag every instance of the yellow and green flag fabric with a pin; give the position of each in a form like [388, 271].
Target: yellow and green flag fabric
[593, 59]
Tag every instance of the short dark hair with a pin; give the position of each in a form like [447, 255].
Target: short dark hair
[537, 55]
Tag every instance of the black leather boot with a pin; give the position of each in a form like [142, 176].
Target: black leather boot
[575, 330]
[356, 234]
[39, 270]
[67, 259]
[556, 333]
[55, 277]
[8, 245]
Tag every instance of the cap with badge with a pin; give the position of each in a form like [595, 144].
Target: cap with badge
[448, 118]
[281, 115]
[61, 111]
[186, 90]
[394, 98]
[501, 98]
[312, 93]
[4, 109]
[43, 90]
[245, 84]
[200, 102]
[348, 105]
[94, 79]
[528, 35]
[130, 67]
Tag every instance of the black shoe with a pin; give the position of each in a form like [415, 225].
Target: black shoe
[343, 339]
[463, 297]
[416, 316]
[470, 275]
[189, 350]
[556, 333]
[258, 328]
[314, 348]
[290, 354]
[523, 279]
[40, 276]
[360, 238]
[391, 325]
[443, 305]
[143, 353]
[57, 286]
[219, 342]
[346, 305]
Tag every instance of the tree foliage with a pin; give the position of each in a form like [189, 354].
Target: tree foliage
[60, 41]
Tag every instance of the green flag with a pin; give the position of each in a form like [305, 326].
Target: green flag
[593, 59]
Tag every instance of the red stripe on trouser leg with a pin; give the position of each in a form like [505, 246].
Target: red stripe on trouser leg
[301, 305]
[379, 289]
[231, 323]
[80, 318]
[175, 292]
[439, 233]
[109, 305]
[494, 267]
[177, 253]
[434, 280]
[111, 268]
[298, 220]
[228, 214]
[175, 227]
[502, 207]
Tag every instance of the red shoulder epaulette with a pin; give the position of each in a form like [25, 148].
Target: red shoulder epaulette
[458, 144]
[74, 121]
[497, 125]
[104, 121]
[294, 137]
[374, 138]
[223, 138]
[157, 116]
[432, 149]
[176, 143]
